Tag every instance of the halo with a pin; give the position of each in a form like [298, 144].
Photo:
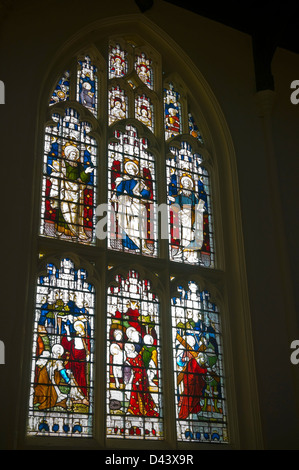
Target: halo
[69, 148]
[130, 164]
[78, 323]
[86, 85]
[57, 348]
[186, 178]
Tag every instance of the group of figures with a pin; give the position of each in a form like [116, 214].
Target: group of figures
[199, 371]
[63, 361]
[133, 224]
[134, 364]
[118, 107]
[62, 367]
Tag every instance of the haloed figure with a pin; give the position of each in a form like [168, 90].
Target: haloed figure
[190, 218]
[87, 96]
[69, 179]
[132, 195]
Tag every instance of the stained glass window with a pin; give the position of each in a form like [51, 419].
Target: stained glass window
[62, 372]
[118, 63]
[69, 179]
[118, 108]
[132, 225]
[144, 111]
[190, 222]
[193, 129]
[134, 400]
[131, 192]
[198, 363]
[143, 67]
[87, 84]
[62, 89]
[172, 112]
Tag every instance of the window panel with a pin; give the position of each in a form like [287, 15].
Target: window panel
[69, 179]
[134, 401]
[193, 129]
[118, 104]
[132, 194]
[143, 67]
[62, 372]
[172, 112]
[198, 364]
[190, 222]
[118, 62]
[144, 111]
[62, 89]
[87, 85]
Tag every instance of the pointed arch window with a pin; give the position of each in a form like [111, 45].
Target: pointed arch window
[121, 139]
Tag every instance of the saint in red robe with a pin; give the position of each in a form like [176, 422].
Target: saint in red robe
[141, 402]
[77, 362]
[193, 387]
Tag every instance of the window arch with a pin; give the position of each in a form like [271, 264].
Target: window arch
[163, 153]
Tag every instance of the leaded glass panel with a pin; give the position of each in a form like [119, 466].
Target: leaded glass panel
[69, 179]
[117, 104]
[118, 62]
[198, 363]
[189, 203]
[193, 129]
[134, 400]
[143, 67]
[172, 112]
[132, 194]
[87, 84]
[62, 89]
[144, 111]
[62, 371]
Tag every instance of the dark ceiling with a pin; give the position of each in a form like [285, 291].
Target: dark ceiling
[277, 22]
[270, 23]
